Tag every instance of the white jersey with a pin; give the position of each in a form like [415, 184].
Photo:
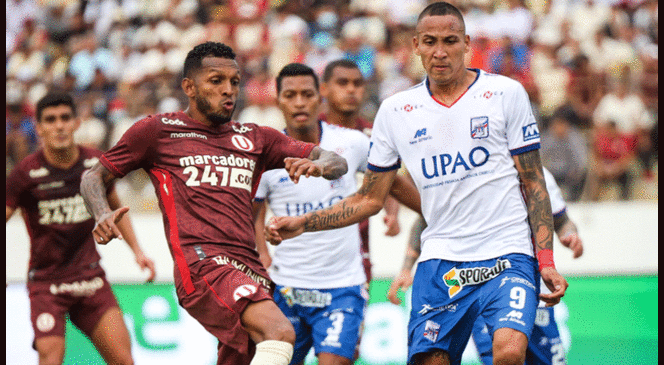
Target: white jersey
[325, 259]
[460, 157]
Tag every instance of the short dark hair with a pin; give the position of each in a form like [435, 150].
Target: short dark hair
[441, 8]
[195, 56]
[296, 69]
[54, 99]
[344, 62]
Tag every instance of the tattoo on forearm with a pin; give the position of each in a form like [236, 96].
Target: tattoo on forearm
[370, 180]
[331, 218]
[539, 205]
[93, 191]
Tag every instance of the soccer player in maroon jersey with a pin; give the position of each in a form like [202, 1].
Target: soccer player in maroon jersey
[205, 168]
[64, 274]
[344, 88]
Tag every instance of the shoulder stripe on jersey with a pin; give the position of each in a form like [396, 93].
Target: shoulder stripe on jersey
[524, 149]
[113, 169]
[375, 168]
[560, 213]
[165, 191]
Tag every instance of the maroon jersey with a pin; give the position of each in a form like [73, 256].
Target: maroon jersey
[54, 212]
[205, 179]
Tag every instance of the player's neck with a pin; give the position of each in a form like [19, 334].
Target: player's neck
[62, 158]
[311, 135]
[342, 119]
[448, 93]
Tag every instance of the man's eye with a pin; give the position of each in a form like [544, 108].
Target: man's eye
[215, 81]
[235, 82]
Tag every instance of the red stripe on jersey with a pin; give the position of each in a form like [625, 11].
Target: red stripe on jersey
[166, 193]
[110, 164]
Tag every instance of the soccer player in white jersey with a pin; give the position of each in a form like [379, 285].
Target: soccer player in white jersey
[545, 346]
[319, 276]
[471, 144]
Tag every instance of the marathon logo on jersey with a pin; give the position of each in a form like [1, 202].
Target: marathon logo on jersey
[531, 131]
[63, 211]
[479, 127]
[431, 330]
[37, 173]
[420, 136]
[456, 279]
[305, 297]
[223, 260]
[188, 135]
[82, 288]
[295, 209]
[173, 121]
[445, 308]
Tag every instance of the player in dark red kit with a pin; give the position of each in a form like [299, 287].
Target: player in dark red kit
[205, 168]
[64, 274]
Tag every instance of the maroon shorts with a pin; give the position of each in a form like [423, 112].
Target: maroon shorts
[221, 293]
[86, 297]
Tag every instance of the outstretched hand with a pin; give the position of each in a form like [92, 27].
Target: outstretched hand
[278, 229]
[297, 167]
[556, 283]
[106, 229]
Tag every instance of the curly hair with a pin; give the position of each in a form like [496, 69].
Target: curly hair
[195, 56]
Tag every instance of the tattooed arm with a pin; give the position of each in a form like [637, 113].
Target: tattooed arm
[529, 167]
[94, 184]
[367, 201]
[320, 162]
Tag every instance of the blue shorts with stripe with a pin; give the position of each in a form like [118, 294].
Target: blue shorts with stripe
[448, 297]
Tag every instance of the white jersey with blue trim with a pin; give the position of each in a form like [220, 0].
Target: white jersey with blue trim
[460, 157]
[325, 259]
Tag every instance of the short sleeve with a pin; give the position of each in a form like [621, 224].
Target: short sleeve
[132, 150]
[262, 189]
[383, 155]
[558, 205]
[278, 146]
[363, 144]
[522, 130]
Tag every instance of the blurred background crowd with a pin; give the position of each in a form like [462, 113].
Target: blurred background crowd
[589, 66]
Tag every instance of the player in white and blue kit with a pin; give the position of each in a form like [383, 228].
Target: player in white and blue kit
[319, 276]
[470, 143]
[545, 346]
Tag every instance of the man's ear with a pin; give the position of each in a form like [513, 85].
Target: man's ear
[323, 90]
[188, 87]
[416, 43]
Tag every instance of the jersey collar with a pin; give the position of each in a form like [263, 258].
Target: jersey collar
[426, 83]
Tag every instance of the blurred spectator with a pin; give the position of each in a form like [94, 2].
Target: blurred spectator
[323, 51]
[584, 91]
[587, 17]
[356, 48]
[550, 76]
[613, 153]
[260, 92]
[625, 108]
[565, 154]
[92, 131]
[21, 137]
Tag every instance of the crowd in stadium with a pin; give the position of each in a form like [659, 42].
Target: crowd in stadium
[589, 66]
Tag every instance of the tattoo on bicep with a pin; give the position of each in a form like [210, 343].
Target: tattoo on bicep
[539, 205]
[330, 218]
[370, 180]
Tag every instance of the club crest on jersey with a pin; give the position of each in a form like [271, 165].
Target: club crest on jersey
[456, 279]
[531, 131]
[479, 127]
[242, 143]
